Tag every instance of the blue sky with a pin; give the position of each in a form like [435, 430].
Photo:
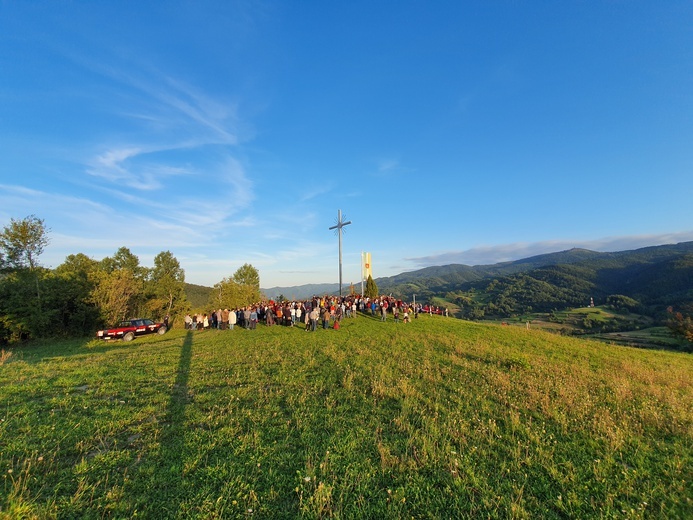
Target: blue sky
[447, 132]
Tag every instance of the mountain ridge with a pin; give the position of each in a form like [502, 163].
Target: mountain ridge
[639, 272]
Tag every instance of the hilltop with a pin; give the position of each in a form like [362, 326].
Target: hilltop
[437, 418]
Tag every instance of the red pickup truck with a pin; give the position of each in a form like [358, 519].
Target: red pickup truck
[129, 329]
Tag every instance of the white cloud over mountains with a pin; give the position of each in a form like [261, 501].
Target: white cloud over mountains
[487, 255]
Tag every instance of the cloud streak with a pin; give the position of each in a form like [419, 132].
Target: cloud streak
[169, 102]
[121, 166]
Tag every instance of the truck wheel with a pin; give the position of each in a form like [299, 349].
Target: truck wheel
[129, 336]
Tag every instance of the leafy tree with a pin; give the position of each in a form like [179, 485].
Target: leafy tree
[61, 307]
[120, 283]
[619, 301]
[589, 323]
[115, 295]
[123, 258]
[79, 265]
[248, 276]
[681, 324]
[475, 313]
[371, 290]
[242, 289]
[68, 290]
[19, 312]
[23, 241]
[227, 294]
[166, 286]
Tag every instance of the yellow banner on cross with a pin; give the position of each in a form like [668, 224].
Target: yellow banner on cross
[366, 265]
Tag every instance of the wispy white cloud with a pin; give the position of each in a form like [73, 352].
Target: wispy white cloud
[165, 100]
[486, 255]
[17, 200]
[315, 192]
[97, 229]
[124, 167]
[223, 192]
[387, 165]
[171, 125]
[168, 179]
[206, 111]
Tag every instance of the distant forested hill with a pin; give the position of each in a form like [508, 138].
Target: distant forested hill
[655, 277]
[198, 295]
[300, 292]
[440, 279]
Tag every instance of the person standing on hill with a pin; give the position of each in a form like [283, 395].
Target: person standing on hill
[287, 315]
[269, 316]
[314, 315]
[233, 318]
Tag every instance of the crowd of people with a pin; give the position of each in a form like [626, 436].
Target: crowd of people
[326, 312]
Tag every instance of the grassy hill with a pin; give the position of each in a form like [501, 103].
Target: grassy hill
[439, 418]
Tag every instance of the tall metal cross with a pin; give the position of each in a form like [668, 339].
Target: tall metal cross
[338, 227]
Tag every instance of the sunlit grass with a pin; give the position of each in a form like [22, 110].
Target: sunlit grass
[436, 418]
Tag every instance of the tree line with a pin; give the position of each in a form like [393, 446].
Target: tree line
[82, 294]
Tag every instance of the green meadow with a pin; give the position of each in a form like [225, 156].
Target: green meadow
[438, 418]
